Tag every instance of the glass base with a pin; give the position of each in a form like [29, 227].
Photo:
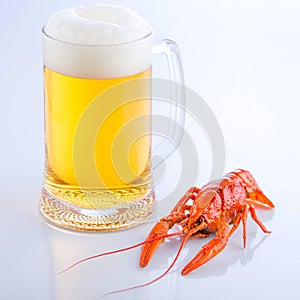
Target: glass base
[108, 219]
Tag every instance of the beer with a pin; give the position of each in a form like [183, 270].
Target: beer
[97, 81]
[66, 99]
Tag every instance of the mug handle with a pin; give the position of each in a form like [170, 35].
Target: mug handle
[176, 94]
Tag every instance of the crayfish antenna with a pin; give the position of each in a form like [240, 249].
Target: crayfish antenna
[157, 278]
[99, 255]
[117, 251]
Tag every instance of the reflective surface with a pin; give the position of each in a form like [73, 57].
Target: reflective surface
[93, 278]
[252, 86]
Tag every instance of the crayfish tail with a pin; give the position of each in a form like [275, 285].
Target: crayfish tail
[254, 193]
[259, 198]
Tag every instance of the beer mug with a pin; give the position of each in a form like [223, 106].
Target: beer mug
[98, 89]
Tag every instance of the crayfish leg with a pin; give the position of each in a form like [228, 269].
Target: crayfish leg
[190, 194]
[257, 220]
[235, 224]
[244, 220]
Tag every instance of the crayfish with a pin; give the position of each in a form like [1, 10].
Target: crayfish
[200, 212]
[213, 208]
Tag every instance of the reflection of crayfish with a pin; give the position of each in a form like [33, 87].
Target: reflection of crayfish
[212, 208]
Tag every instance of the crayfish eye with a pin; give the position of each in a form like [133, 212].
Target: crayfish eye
[200, 220]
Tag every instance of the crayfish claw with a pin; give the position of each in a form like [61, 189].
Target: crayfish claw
[160, 230]
[208, 251]
[153, 240]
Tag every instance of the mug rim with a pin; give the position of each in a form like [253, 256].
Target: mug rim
[95, 45]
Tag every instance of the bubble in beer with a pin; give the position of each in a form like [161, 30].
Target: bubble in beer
[97, 25]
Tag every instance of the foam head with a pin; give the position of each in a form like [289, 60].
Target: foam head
[97, 41]
[97, 25]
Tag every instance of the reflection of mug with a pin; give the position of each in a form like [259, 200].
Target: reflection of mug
[105, 66]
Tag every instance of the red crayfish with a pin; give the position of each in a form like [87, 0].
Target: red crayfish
[200, 212]
[213, 208]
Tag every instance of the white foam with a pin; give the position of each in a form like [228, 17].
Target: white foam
[97, 41]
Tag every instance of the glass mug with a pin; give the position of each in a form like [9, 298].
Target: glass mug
[98, 88]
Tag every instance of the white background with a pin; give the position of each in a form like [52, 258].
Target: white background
[242, 58]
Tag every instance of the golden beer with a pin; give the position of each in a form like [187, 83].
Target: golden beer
[66, 99]
[97, 79]
[97, 82]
